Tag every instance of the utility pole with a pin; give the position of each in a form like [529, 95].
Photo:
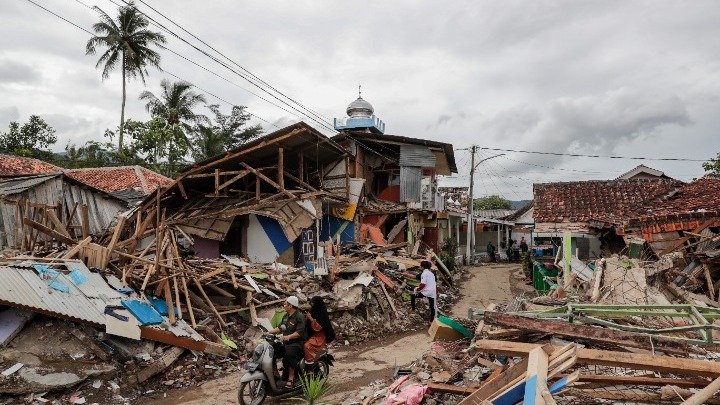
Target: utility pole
[471, 203]
[470, 248]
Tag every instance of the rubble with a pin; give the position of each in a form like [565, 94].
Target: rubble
[629, 331]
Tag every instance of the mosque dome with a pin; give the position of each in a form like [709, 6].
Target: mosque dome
[360, 109]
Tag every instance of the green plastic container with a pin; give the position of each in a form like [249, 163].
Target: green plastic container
[539, 274]
[451, 323]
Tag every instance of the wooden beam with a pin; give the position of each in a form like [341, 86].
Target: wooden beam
[113, 241]
[281, 168]
[596, 334]
[498, 384]
[611, 380]
[84, 221]
[686, 238]
[237, 177]
[76, 249]
[704, 394]
[57, 223]
[301, 166]
[181, 187]
[268, 180]
[217, 182]
[682, 366]
[536, 374]
[47, 231]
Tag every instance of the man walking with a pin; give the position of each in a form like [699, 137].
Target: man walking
[491, 252]
[427, 288]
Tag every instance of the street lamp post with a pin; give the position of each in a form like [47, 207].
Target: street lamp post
[470, 245]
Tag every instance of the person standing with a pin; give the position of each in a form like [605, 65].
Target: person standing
[491, 251]
[427, 288]
[523, 245]
[293, 337]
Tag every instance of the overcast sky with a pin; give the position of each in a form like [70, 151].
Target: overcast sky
[621, 78]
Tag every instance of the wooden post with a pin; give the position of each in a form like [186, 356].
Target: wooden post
[84, 221]
[217, 182]
[536, 376]
[347, 178]
[187, 302]
[704, 394]
[212, 306]
[281, 168]
[301, 166]
[257, 188]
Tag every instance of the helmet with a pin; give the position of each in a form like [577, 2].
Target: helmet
[293, 300]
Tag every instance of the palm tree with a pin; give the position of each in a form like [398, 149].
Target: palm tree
[208, 143]
[175, 107]
[129, 46]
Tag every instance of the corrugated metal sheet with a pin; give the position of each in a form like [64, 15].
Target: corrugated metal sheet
[18, 185]
[22, 287]
[410, 184]
[416, 155]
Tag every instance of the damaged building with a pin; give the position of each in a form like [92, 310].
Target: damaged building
[84, 201]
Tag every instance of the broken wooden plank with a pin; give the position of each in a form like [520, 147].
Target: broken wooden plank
[498, 384]
[700, 397]
[597, 334]
[683, 366]
[384, 278]
[389, 300]
[76, 249]
[611, 380]
[47, 231]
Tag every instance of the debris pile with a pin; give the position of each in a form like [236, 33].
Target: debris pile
[615, 330]
[135, 314]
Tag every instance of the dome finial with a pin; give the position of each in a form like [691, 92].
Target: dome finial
[359, 91]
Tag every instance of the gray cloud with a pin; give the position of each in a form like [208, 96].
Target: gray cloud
[630, 78]
[7, 115]
[16, 72]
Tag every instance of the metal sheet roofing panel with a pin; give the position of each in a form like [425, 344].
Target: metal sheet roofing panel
[18, 185]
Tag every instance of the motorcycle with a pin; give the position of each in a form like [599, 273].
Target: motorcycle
[261, 379]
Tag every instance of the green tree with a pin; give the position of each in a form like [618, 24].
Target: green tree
[92, 154]
[128, 45]
[173, 119]
[30, 139]
[712, 166]
[232, 127]
[226, 132]
[491, 202]
[207, 143]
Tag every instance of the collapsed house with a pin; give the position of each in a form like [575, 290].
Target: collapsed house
[85, 201]
[588, 210]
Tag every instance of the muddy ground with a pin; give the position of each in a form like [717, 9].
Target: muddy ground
[358, 366]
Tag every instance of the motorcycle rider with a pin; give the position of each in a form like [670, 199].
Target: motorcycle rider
[293, 337]
[320, 329]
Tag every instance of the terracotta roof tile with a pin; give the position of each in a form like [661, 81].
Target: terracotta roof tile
[21, 166]
[698, 199]
[112, 179]
[611, 201]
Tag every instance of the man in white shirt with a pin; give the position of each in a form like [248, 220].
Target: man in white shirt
[427, 288]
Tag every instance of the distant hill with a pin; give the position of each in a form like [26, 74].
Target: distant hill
[516, 205]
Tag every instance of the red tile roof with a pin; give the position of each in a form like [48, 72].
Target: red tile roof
[111, 179]
[11, 166]
[698, 199]
[603, 200]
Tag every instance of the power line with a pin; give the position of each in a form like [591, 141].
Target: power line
[231, 69]
[594, 156]
[235, 63]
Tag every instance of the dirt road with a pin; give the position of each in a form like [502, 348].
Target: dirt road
[357, 366]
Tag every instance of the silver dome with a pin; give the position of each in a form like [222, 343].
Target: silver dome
[360, 109]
